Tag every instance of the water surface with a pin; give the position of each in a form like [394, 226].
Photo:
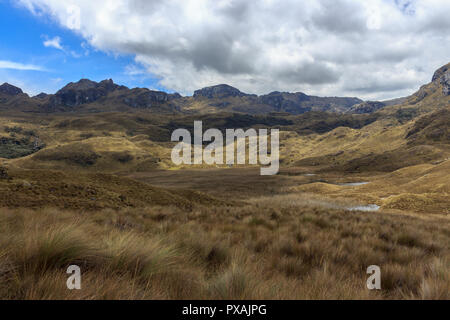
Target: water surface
[368, 208]
[353, 184]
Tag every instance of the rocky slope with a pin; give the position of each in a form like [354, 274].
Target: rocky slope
[367, 107]
[87, 95]
[226, 98]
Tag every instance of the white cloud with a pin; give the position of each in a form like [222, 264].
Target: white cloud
[4, 64]
[133, 70]
[54, 43]
[373, 49]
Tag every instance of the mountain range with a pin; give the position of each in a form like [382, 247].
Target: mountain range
[87, 95]
[90, 96]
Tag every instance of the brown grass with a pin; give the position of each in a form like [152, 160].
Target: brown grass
[271, 248]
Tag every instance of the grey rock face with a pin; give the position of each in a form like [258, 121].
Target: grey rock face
[367, 107]
[144, 98]
[11, 90]
[445, 81]
[443, 76]
[440, 72]
[284, 101]
[81, 92]
[173, 96]
[297, 103]
[219, 91]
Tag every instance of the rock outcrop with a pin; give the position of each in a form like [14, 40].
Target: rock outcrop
[284, 101]
[442, 75]
[367, 107]
[144, 98]
[219, 92]
[297, 103]
[445, 81]
[9, 89]
[82, 92]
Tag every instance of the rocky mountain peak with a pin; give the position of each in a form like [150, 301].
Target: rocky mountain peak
[83, 91]
[443, 76]
[83, 84]
[41, 95]
[9, 89]
[218, 92]
[440, 72]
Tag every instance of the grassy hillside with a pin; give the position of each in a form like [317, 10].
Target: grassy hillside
[74, 190]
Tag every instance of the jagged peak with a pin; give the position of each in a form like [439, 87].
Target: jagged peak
[440, 72]
[82, 84]
[442, 75]
[41, 95]
[85, 84]
[9, 89]
[219, 91]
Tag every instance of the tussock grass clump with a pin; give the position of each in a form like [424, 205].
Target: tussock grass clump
[239, 252]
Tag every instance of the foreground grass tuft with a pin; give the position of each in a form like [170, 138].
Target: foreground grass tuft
[245, 252]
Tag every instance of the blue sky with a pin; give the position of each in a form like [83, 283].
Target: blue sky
[69, 59]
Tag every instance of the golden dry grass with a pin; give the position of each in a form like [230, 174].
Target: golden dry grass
[282, 247]
[233, 234]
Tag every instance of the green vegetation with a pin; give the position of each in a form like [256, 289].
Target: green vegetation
[20, 130]
[11, 148]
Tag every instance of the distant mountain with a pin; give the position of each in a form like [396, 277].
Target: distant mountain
[227, 98]
[374, 106]
[13, 98]
[90, 96]
[82, 92]
[367, 107]
[299, 102]
[10, 90]
[41, 95]
[218, 92]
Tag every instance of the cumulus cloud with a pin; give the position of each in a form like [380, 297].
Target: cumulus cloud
[374, 49]
[4, 64]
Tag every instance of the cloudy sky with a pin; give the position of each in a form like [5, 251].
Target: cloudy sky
[376, 49]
